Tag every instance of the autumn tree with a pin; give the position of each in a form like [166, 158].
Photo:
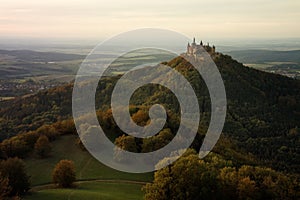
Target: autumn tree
[216, 178]
[187, 179]
[42, 146]
[49, 131]
[5, 189]
[14, 147]
[247, 189]
[126, 143]
[228, 180]
[156, 142]
[14, 170]
[140, 117]
[64, 173]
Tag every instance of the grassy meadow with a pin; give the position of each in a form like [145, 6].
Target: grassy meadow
[94, 180]
[91, 190]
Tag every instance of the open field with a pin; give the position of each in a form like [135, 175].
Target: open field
[86, 166]
[91, 190]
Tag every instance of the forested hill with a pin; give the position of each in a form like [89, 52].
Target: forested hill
[262, 120]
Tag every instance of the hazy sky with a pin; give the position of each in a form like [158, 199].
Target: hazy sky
[100, 19]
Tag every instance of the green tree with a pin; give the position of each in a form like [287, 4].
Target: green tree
[64, 173]
[14, 170]
[42, 146]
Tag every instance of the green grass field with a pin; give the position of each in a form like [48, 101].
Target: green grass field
[87, 167]
[103, 182]
[91, 191]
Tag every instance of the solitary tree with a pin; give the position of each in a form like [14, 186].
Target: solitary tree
[42, 146]
[14, 170]
[64, 173]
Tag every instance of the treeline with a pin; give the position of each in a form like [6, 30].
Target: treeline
[190, 178]
[23, 144]
[14, 181]
[29, 113]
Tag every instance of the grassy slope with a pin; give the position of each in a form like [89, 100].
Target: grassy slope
[86, 166]
[93, 191]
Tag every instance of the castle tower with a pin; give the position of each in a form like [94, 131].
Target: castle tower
[214, 49]
[188, 48]
[196, 49]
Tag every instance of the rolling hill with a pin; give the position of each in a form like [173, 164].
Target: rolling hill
[261, 56]
[18, 64]
[261, 125]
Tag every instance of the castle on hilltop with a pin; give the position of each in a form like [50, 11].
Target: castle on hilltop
[194, 48]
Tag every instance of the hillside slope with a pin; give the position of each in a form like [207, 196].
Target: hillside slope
[262, 120]
[87, 167]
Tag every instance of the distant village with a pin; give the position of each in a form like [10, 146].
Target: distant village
[15, 88]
